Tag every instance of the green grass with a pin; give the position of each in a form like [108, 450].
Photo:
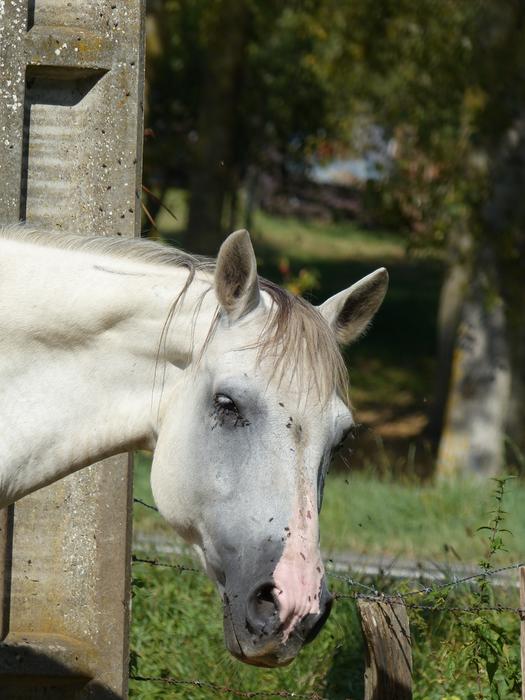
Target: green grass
[303, 240]
[432, 522]
[177, 632]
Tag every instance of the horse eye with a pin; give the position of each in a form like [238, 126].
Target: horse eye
[338, 447]
[224, 404]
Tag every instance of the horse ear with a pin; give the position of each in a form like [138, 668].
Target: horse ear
[236, 284]
[350, 311]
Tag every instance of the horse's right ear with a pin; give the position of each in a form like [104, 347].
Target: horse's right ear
[349, 313]
[236, 284]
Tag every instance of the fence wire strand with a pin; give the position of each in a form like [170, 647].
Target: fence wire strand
[165, 564]
[226, 689]
[146, 505]
[376, 596]
[399, 600]
[465, 579]
[429, 590]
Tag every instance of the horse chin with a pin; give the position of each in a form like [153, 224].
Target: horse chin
[272, 653]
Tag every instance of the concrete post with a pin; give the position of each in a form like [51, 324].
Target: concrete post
[71, 126]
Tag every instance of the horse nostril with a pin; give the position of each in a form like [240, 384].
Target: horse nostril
[263, 609]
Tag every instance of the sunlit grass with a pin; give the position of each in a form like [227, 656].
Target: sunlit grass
[324, 241]
[177, 632]
[422, 521]
[303, 239]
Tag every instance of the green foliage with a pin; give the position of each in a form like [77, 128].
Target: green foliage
[476, 655]
[492, 650]
[279, 96]
[409, 67]
[306, 280]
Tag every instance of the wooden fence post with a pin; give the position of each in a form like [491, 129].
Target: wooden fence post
[71, 127]
[386, 629]
[521, 571]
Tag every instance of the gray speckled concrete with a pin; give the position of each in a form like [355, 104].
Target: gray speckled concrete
[71, 87]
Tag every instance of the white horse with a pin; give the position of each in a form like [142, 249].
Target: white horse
[108, 345]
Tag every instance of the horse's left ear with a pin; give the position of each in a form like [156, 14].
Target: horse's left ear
[236, 284]
[350, 311]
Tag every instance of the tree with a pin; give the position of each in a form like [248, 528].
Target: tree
[447, 80]
[233, 83]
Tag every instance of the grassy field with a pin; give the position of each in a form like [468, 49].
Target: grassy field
[177, 632]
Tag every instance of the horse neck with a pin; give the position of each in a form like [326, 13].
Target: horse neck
[79, 347]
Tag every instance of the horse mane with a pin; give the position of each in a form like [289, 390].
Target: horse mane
[296, 336]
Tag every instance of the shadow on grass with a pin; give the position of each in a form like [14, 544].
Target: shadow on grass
[345, 677]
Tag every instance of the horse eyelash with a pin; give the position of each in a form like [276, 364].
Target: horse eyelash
[231, 411]
[340, 444]
[232, 408]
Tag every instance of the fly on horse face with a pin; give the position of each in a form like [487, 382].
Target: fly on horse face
[239, 388]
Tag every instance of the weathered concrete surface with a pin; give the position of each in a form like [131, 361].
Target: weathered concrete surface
[70, 158]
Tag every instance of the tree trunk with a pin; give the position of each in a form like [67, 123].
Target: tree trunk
[474, 429]
[213, 169]
[516, 413]
[451, 302]
[505, 220]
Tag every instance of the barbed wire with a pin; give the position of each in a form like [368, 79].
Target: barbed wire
[399, 600]
[352, 582]
[465, 579]
[376, 596]
[428, 590]
[146, 505]
[226, 689]
[165, 564]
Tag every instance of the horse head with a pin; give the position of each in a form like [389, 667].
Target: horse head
[244, 444]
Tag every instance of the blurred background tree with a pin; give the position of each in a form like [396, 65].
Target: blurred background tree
[447, 80]
[251, 101]
[232, 92]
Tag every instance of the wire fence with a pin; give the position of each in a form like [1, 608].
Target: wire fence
[226, 689]
[361, 591]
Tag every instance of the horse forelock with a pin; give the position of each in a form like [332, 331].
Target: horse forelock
[297, 343]
[296, 339]
[302, 345]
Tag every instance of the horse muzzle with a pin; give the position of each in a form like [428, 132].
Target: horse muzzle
[255, 632]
